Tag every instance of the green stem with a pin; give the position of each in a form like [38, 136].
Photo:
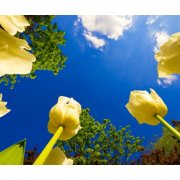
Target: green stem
[173, 130]
[44, 154]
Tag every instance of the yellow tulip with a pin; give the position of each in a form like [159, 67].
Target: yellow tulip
[66, 114]
[3, 109]
[14, 59]
[57, 157]
[64, 123]
[168, 57]
[144, 106]
[14, 24]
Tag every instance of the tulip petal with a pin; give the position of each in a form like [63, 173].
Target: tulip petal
[68, 162]
[3, 48]
[67, 134]
[13, 58]
[71, 120]
[57, 157]
[6, 23]
[168, 57]
[144, 106]
[161, 106]
[20, 20]
[66, 114]
[13, 24]
[3, 109]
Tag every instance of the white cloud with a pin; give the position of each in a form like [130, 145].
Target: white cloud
[111, 27]
[159, 82]
[160, 38]
[96, 42]
[164, 82]
[151, 19]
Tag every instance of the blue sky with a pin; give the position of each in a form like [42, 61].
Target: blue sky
[100, 73]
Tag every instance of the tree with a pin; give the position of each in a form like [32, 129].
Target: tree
[165, 150]
[101, 143]
[45, 39]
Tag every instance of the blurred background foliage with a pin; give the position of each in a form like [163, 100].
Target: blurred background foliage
[165, 150]
[45, 40]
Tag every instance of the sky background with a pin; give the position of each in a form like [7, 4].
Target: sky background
[108, 57]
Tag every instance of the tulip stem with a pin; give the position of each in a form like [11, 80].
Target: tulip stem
[44, 154]
[167, 125]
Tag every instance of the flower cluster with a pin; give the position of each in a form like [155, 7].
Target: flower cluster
[64, 116]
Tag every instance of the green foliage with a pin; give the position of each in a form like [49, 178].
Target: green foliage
[101, 143]
[45, 40]
[164, 150]
[9, 80]
[168, 142]
[13, 155]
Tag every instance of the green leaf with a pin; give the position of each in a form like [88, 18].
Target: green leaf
[13, 155]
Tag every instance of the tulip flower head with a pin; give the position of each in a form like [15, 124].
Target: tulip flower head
[144, 106]
[168, 57]
[3, 109]
[13, 24]
[57, 157]
[14, 59]
[66, 114]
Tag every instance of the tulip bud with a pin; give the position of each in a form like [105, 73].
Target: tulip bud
[3, 109]
[57, 157]
[144, 106]
[14, 24]
[13, 58]
[66, 114]
[168, 57]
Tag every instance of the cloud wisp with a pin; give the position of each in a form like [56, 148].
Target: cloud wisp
[160, 38]
[165, 82]
[151, 19]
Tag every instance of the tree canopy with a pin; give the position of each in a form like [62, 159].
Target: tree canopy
[101, 143]
[45, 39]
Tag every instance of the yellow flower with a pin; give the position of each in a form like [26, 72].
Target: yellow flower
[144, 106]
[3, 109]
[14, 24]
[57, 157]
[65, 113]
[168, 57]
[14, 59]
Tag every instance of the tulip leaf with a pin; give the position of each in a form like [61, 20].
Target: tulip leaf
[13, 155]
